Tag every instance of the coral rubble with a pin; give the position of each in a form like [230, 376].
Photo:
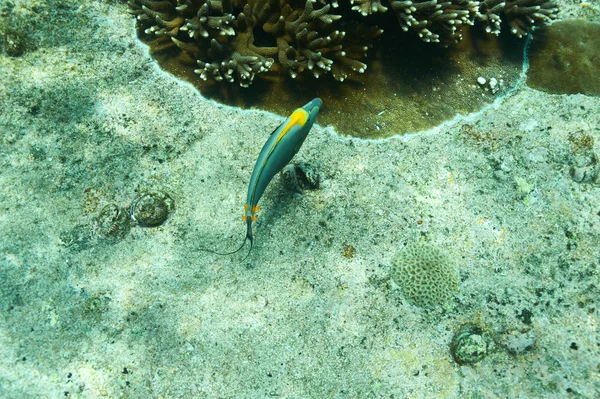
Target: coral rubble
[233, 41]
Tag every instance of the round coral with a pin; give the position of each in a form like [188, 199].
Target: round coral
[425, 274]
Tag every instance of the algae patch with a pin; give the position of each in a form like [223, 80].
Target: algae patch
[565, 58]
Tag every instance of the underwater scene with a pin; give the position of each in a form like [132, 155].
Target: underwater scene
[300, 199]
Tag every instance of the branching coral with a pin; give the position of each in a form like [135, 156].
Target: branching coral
[520, 15]
[366, 7]
[234, 40]
[294, 38]
[439, 20]
[435, 21]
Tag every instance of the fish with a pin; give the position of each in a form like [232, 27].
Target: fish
[281, 146]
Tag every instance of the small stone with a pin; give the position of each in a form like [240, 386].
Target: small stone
[494, 85]
[481, 80]
[112, 222]
[587, 172]
[518, 342]
[469, 345]
[151, 209]
[301, 176]
[578, 174]
[500, 175]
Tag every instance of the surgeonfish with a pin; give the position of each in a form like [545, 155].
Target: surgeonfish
[278, 151]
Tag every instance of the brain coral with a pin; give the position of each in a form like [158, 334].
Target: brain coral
[425, 274]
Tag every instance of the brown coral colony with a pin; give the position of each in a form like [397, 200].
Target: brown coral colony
[234, 40]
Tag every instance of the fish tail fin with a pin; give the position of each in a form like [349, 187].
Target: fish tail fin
[224, 253]
[248, 237]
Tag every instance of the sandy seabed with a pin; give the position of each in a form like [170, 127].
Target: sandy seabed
[93, 305]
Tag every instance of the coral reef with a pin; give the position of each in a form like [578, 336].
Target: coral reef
[435, 21]
[233, 41]
[425, 274]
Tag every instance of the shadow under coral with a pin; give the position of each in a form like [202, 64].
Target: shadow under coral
[408, 86]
